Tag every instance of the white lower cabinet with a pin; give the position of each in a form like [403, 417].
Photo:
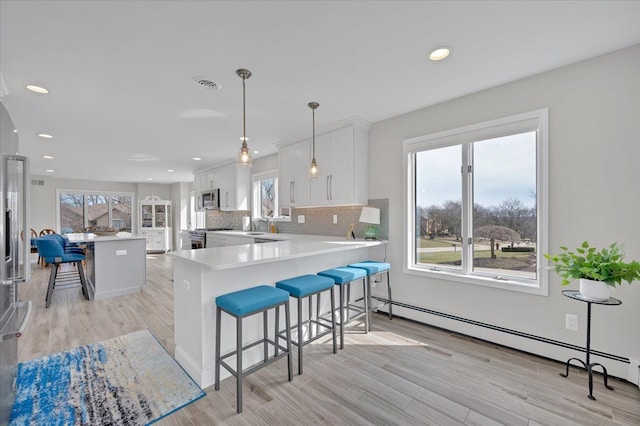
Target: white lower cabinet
[157, 240]
[215, 239]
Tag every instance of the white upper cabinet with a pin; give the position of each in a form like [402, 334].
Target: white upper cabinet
[342, 155]
[234, 184]
[293, 174]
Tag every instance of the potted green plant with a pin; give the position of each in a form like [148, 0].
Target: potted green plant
[599, 271]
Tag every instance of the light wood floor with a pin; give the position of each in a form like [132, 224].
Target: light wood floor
[401, 373]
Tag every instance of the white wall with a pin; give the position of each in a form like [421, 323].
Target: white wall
[148, 189]
[43, 197]
[594, 110]
[180, 193]
[265, 164]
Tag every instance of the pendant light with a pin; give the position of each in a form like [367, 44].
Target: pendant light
[314, 172]
[244, 155]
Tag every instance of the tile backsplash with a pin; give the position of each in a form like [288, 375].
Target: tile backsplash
[317, 220]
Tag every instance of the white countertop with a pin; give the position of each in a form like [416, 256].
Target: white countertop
[91, 237]
[283, 236]
[229, 257]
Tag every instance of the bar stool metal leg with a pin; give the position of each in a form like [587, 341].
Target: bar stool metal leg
[307, 286]
[218, 327]
[239, 375]
[245, 303]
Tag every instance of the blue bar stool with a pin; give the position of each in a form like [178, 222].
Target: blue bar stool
[373, 269]
[241, 304]
[308, 286]
[53, 252]
[343, 277]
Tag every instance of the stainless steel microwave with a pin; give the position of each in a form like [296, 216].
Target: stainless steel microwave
[209, 199]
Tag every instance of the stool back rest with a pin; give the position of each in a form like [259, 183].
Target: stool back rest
[50, 249]
[62, 240]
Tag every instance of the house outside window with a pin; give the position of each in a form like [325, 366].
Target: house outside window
[477, 203]
[78, 210]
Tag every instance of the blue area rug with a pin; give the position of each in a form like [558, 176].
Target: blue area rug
[128, 380]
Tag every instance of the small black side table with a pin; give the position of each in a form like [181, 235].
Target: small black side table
[574, 294]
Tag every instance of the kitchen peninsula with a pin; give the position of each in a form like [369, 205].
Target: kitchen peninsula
[116, 265]
[202, 275]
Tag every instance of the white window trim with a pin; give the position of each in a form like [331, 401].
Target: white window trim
[535, 120]
[255, 179]
[85, 192]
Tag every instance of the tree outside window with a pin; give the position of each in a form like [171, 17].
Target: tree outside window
[476, 200]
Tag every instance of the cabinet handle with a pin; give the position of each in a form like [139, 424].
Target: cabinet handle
[291, 191]
[328, 187]
[331, 187]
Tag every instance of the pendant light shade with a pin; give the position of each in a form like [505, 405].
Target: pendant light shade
[314, 171]
[244, 155]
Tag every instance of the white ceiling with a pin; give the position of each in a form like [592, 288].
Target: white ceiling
[120, 72]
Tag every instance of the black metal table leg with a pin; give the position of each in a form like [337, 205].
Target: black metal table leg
[588, 365]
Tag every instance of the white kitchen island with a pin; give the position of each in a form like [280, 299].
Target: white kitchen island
[202, 275]
[115, 265]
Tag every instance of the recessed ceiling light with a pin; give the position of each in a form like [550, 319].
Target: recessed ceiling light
[171, 170]
[256, 152]
[45, 136]
[50, 171]
[149, 178]
[440, 53]
[196, 158]
[37, 89]
[47, 157]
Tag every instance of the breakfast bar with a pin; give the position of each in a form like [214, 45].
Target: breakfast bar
[202, 275]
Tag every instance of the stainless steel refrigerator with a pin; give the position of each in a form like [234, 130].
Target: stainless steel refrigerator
[15, 249]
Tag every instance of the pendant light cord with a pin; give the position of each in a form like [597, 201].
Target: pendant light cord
[313, 115]
[244, 112]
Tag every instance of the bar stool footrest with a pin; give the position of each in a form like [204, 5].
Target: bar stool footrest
[255, 367]
[294, 328]
[359, 312]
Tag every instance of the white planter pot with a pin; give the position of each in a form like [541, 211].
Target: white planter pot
[595, 290]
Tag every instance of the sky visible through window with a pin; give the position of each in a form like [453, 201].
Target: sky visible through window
[502, 166]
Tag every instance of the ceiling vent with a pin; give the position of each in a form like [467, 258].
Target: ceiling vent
[205, 83]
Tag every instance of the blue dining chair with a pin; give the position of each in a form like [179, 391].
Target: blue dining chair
[52, 251]
[68, 246]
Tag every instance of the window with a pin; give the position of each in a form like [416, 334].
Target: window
[265, 195]
[477, 203]
[80, 209]
[197, 218]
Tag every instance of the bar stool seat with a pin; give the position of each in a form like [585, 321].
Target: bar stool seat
[344, 276]
[306, 286]
[241, 304]
[374, 268]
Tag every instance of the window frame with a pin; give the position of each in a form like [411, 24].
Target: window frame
[534, 120]
[256, 197]
[109, 194]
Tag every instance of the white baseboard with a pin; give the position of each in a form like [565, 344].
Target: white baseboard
[633, 375]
